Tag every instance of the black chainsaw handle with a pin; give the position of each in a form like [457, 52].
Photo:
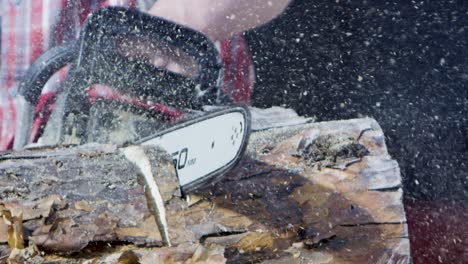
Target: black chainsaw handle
[122, 21]
[43, 68]
[101, 61]
[101, 32]
[31, 86]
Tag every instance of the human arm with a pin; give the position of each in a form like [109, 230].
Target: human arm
[219, 19]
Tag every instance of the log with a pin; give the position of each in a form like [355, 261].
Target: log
[309, 193]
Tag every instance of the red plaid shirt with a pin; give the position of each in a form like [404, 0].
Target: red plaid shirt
[30, 27]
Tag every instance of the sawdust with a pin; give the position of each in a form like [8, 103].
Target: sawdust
[331, 151]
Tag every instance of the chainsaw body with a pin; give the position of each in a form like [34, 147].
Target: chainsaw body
[97, 59]
[203, 145]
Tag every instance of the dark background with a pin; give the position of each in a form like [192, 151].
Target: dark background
[404, 63]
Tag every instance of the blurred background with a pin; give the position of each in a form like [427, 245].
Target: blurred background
[404, 63]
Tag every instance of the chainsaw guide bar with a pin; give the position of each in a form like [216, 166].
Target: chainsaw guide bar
[205, 148]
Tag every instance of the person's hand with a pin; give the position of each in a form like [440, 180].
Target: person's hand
[219, 19]
[161, 55]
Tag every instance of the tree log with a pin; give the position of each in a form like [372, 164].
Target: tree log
[311, 193]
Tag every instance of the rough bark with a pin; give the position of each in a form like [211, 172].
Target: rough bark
[314, 193]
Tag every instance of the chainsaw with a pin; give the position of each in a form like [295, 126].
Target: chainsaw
[204, 145]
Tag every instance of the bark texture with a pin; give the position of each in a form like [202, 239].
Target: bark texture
[312, 193]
